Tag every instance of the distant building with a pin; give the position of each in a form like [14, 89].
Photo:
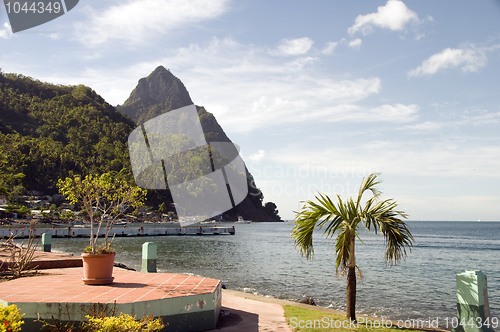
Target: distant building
[57, 198]
[47, 199]
[34, 203]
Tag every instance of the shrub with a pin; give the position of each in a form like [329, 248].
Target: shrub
[20, 257]
[10, 318]
[123, 322]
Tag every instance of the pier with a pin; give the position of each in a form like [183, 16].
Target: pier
[70, 232]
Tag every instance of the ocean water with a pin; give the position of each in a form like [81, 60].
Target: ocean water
[261, 259]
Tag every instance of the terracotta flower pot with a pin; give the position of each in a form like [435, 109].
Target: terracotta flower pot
[98, 268]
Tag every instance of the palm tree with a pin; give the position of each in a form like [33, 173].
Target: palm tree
[344, 220]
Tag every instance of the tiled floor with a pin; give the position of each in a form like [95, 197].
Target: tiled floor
[65, 285]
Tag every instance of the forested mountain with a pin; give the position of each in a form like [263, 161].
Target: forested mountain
[51, 131]
[161, 92]
[156, 94]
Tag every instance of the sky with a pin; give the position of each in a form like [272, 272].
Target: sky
[317, 94]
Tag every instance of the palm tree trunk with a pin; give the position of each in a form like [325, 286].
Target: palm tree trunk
[351, 282]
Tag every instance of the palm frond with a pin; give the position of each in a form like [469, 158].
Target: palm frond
[341, 219]
[370, 184]
[323, 214]
[384, 218]
[398, 239]
[310, 217]
[342, 249]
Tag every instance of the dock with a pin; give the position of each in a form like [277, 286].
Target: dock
[73, 232]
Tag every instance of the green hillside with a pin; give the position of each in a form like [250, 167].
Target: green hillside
[49, 131]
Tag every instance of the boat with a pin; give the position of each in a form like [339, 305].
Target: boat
[243, 221]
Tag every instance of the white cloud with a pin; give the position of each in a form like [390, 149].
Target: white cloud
[355, 44]
[468, 59]
[393, 113]
[329, 48]
[353, 113]
[425, 126]
[6, 32]
[258, 156]
[458, 121]
[419, 158]
[247, 88]
[138, 20]
[480, 117]
[294, 46]
[55, 36]
[345, 90]
[254, 90]
[394, 16]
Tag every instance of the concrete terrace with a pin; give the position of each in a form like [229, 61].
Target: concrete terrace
[186, 303]
[175, 297]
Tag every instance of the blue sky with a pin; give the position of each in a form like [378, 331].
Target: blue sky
[317, 94]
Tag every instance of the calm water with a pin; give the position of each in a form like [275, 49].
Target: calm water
[261, 259]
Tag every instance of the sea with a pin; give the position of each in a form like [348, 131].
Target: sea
[261, 259]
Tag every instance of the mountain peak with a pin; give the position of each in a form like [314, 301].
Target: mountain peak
[161, 92]
[160, 69]
[156, 94]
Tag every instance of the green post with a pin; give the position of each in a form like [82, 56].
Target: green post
[473, 310]
[46, 242]
[149, 256]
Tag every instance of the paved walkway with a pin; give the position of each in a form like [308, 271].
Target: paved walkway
[246, 315]
[249, 312]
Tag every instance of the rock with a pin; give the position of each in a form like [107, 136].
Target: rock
[307, 300]
[160, 92]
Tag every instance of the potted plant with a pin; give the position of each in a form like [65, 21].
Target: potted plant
[103, 198]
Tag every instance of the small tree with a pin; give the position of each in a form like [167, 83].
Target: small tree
[343, 220]
[103, 197]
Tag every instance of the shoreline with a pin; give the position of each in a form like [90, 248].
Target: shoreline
[41, 256]
[272, 300]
